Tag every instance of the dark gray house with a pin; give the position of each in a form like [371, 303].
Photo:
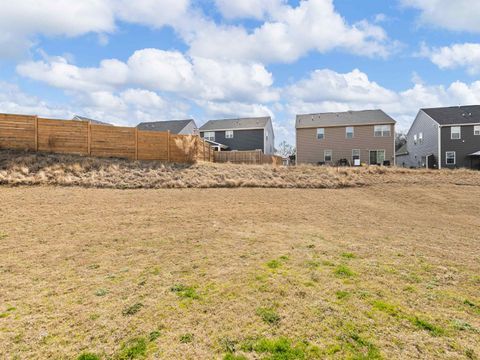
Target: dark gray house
[240, 134]
[178, 127]
[443, 138]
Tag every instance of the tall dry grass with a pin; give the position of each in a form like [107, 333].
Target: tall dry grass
[22, 168]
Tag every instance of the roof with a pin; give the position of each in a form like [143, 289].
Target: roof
[364, 117]
[236, 124]
[174, 126]
[475, 154]
[92, 121]
[214, 143]
[455, 115]
[402, 151]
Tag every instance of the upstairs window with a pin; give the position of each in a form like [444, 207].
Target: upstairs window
[349, 131]
[209, 135]
[415, 139]
[476, 130]
[320, 133]
[229, 134]
[382, 130]
[420, 138]
[455, 132]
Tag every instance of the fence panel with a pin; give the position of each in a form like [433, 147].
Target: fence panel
[17, 132]
[153, 145]
[112, 141]
[247, 157]
[63, 136]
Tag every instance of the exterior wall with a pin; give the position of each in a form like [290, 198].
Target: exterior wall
[243, 140]
[468, 144]
[417, 153]
[270, 141]
[190, 129]
[310, 150]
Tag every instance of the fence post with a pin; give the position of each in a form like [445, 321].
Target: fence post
[36, 133]
[204, 157]
[136, 143]
[89, 138]
[168, 145]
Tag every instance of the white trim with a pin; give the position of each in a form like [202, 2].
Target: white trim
[359, 155]
[346, 132]
[467, 124]
[377, 150]
[323, 134]
[439, 130]
[454, 158]
[459, 133]
[324, 155]
[229, 137]
[225, 129]
[477, 129]
[313, 126]
[394, 145]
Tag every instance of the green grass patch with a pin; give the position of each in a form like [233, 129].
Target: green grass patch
[343, 271]
[282, 349]
[361, 348]
[230, 356]
[268, 315]
[313, 264]
[425, 325]
[385, 307]
[88, 356]
[348, 255]
[274, 264]
[342, 294]
[185, 292]
[472, 305]
[154, 335]
[133, 349]
[186, 338]
[132, 310]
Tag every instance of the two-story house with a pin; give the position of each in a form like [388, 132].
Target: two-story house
[240, 134]
[351, 137]
[446, 137]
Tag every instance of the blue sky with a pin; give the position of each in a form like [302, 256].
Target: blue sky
[126, 62]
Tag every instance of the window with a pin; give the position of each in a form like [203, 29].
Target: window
[476, 130]
[320, 133]
[355, 155]
[420, 138]
[415, 139]
[327, 155]
[450, 158]
[209, 135]
[349, 132]
[229, 134]
[382, 130]
[455, 132]
[266, 134]
[377, 157]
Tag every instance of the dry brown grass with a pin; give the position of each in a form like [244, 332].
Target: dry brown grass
[383, 271]
[66, 170]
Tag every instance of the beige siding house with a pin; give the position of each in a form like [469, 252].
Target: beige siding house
[354, 136]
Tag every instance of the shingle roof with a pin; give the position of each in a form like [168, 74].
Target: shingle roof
[175, 126]
[365, 117]
[455, 115]
[83, 118]
[243, 123]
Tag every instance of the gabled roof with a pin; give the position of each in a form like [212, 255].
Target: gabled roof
[236, 124]
[174, 126]
[349, 118]
[92, 121]
[455, 115]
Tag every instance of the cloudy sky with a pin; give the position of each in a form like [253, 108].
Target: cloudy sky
[129, 61]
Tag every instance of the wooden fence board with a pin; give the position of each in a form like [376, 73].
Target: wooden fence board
[17, 132]
[63, 136]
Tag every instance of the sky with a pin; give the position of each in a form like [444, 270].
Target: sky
[125, 61]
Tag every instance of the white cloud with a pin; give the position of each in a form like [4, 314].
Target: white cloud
[159, 70]
[457, 15]
[290, 33]
[257, 9]
[235, 109]
[328, 91]
[455, 56]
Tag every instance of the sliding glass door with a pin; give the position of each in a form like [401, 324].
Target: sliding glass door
[377, 157]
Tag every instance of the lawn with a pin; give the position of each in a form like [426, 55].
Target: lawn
[382, 271]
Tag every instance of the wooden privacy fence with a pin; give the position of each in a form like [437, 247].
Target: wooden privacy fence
[23, 132]
[247, 157]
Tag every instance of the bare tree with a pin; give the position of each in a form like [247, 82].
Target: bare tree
[400, 139]
[286, 150]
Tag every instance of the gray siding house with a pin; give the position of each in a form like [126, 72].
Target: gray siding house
[240, 134]
[178, 127]
[443, 138]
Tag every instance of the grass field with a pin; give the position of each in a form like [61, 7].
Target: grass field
[373, 272]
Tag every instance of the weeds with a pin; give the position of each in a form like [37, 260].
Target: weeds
[390, 309]
[425, 325]
[133, 349]
[186, 338]
[343, 271]
[185, 292]
[282, 349]
[101, 292]
[274, 264]
[342, 294]
[348, 255]
[132, 310]
[88, 356]
[269, 316]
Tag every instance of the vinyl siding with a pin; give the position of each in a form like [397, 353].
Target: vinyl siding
[190, 129]
[310, 150]
[270, 142]
[426, 125]
[468, 144]
[243, 140]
